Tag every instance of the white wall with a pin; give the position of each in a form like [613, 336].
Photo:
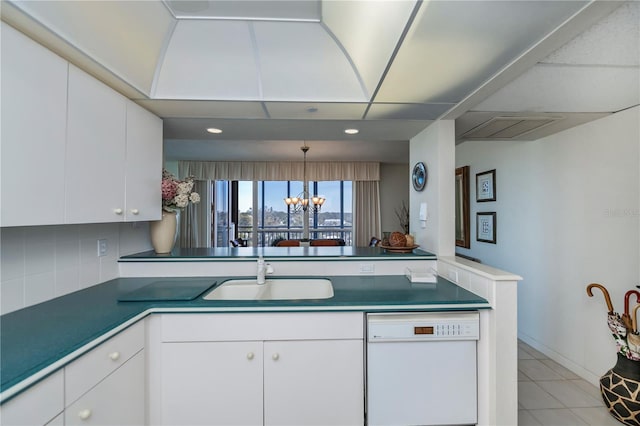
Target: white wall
[39, 263]
[568, 213]
[435, 147]
[393, 192]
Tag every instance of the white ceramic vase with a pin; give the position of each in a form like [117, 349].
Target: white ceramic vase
[163, 232]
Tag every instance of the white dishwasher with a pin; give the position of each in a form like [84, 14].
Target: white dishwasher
[422, 368]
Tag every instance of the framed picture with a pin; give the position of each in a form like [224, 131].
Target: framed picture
[486, 186]
[486, 227]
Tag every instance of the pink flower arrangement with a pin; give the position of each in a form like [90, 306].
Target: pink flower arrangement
[177, 194]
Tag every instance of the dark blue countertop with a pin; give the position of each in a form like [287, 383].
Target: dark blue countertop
[293, 253]
[34, 338]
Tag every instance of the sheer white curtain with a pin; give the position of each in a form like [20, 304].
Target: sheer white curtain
[366, 211]
[194, 222]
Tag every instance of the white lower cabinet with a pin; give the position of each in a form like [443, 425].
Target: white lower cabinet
[117, 400]
[208, 383]
[290, 369]
[316, 382]
[106, 386]
[39, 405]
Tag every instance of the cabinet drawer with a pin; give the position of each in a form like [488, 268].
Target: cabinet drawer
[280, 326]
[85, 372]
[117, 400]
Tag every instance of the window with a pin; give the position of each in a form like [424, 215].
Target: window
[263, 216]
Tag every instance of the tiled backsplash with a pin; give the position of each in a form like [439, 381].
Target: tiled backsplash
[39, 263]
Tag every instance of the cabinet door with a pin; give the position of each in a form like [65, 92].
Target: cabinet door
[212, 383]
[95, 157]
[118, 400]
[144, 164]
[37, 405]
[34, 111]
[317, 382]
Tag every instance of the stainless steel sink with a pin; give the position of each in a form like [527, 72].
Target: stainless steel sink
[273, 289]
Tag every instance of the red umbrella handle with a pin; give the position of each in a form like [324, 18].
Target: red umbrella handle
[607, 298]
[627, 295]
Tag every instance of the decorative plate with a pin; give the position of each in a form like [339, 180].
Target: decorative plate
[407, 249]
[419, 176]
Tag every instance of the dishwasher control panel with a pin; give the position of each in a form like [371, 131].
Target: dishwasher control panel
[423, 326]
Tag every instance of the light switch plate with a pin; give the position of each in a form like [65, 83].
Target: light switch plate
[103, 247]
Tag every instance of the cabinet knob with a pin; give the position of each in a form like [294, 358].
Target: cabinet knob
[84, 414]
[250, 356]
[118, 211]
[275, 356]
[135, 211]
[114, 356]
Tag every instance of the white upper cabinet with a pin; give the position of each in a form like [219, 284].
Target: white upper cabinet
[95, 157]
[34, 107]
[144, 160]
[73, 150]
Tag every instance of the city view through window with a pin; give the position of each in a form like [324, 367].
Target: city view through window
[275, 221]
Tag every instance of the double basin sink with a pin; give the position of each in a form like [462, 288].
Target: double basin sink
[272, 289]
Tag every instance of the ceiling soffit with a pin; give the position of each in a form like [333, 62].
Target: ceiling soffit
[100, 29]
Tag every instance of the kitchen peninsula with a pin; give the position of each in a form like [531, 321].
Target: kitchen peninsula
[45, 346]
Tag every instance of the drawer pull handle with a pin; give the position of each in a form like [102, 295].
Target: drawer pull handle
[250, 356]
[135, 211]
[118, 211]
[84, 414]
[275, 356]
[114, 356]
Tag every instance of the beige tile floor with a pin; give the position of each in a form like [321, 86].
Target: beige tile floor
[551, 395]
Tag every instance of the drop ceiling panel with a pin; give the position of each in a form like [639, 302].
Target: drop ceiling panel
[203, 109]
[209, 60]
[369, 32]
[306, 10]
[125, 37]
[615, 40]
[379, 111]
[560, 88]
[302, 62]
[316, 110]
[454, 46]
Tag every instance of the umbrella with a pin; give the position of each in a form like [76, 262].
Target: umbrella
[626, 318]
[614, 321]
[633, 339]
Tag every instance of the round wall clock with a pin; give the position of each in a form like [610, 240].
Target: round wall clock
[419, 176]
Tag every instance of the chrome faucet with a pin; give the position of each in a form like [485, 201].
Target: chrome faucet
[263, 269]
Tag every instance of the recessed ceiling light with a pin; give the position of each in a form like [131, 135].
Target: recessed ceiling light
[214, 130]
[351, 131]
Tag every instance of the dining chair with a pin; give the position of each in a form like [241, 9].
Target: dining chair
[288, 243]
[324, 242]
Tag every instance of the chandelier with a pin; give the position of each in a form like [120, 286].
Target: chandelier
[303, 201]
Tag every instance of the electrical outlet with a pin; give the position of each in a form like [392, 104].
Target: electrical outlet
[103, 247]
[367, 268]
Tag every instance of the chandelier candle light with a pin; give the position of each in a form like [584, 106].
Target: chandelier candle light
[303, 201]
